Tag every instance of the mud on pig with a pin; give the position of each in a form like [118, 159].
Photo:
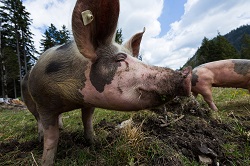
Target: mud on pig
[93, 71]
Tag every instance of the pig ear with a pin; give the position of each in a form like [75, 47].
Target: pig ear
[186, 71]
[93, 24]
[133, 44]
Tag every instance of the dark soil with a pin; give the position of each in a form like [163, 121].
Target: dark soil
[197, 133]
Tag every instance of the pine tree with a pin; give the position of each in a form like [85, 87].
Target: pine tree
[17, 37]
[53, 37]
[118, 36]
[245, 48]
[213, 50]
[203, 52]
[224, 50]
[63, 35]
[47, 42]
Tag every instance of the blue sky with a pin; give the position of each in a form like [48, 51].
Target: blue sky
[174, 28]
[172, 11]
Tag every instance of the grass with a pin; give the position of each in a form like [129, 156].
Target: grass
[18, 128]
[234, 105]
[234, 110]
[16, 125]
[131, 145]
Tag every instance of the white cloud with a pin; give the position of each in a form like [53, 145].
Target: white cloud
[45, 12]
[136, 14]
[201, 18]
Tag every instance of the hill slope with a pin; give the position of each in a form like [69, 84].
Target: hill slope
[223, 47]
[235, 36]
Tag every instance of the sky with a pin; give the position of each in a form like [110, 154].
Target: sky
[174, 28]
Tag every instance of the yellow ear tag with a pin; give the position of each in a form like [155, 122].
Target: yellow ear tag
[87, 17]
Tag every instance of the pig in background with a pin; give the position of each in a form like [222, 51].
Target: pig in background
[94, 71]
[230, 73]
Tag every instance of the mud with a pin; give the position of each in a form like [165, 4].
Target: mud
[197, 133]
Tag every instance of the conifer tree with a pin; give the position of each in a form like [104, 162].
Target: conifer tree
[16, 39]
[53, 37]
[213, 50]
[118, 36]
[223, 49]
[64, 35]
[245, 48]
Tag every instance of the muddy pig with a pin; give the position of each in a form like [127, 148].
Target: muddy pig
[93, 71]
[230, 73]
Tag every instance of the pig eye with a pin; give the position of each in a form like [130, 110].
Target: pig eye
[120, 57]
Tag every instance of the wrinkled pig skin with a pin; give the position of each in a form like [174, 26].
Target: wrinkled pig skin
[93, 71]
[230, 73]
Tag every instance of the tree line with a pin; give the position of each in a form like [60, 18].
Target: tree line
[17, 50]
[223, 47]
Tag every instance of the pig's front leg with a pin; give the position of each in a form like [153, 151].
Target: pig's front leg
[51, 136]
[207, 95]
[87, 116]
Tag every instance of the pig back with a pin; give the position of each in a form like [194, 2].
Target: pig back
[233, 73]
[58, 75]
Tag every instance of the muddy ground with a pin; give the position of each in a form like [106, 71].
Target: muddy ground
[199, 136]
[182, 127]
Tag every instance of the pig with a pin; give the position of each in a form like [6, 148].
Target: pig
[229, 73]
[93, 71]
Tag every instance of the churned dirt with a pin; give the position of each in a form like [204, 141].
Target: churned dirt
[192, 131]
[183, 128]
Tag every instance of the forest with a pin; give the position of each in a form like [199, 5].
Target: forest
[17, 50]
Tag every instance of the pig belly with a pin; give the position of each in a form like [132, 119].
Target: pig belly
[234, 81]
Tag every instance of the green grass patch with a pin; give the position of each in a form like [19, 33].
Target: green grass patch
[16, 125]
